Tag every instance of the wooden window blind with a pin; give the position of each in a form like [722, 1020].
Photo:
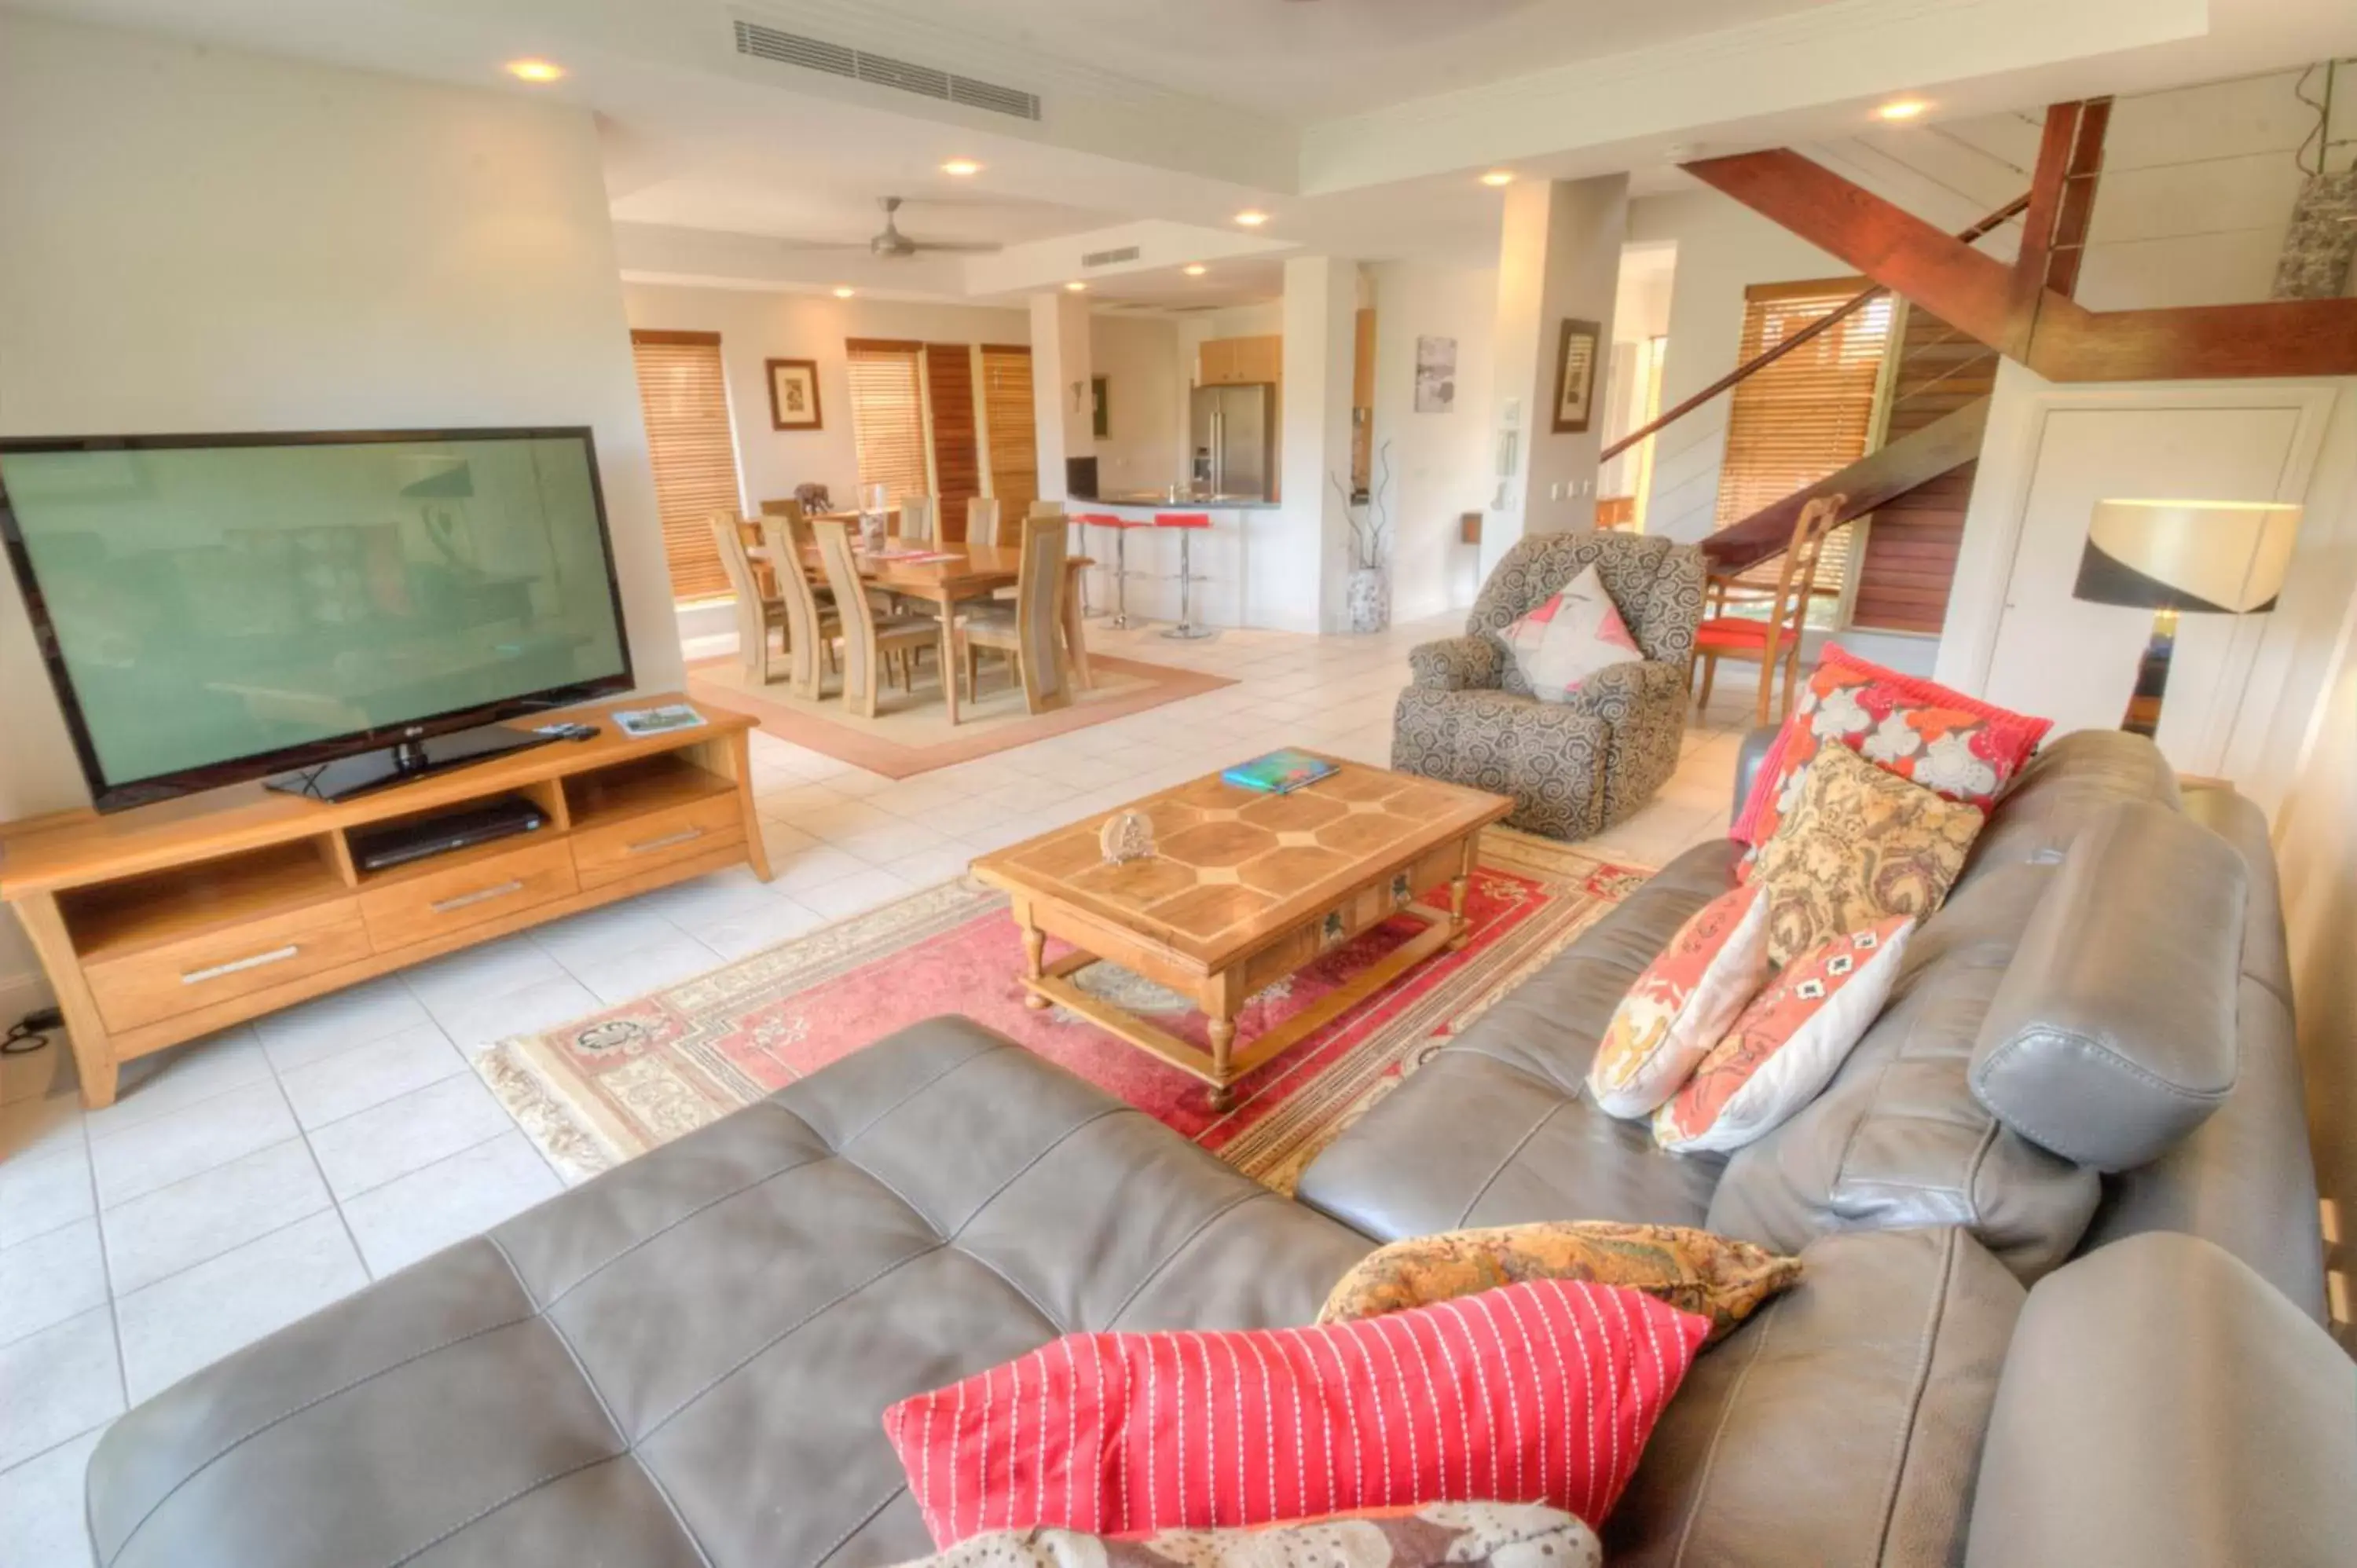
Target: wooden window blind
[1808, 414]
[685, 398]
[888, 416]
[1013, 440]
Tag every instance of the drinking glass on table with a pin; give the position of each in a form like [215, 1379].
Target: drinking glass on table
[873, 499]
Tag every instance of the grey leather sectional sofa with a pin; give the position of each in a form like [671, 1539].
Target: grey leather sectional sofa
[2060, 1305]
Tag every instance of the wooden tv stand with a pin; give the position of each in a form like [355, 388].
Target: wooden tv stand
[169, 922]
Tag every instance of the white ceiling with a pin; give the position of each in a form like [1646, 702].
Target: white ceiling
[1299, 60]
[1185, 111]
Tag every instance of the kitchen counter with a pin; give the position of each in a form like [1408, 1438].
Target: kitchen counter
[1155, 502]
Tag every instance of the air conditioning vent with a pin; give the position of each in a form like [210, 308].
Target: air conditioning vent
[1107, 258]
[759, 42]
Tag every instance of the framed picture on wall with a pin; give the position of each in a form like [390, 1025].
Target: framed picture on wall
[1575, 377]
[793, 394]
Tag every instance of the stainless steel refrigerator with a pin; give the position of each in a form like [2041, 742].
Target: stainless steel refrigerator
[1234, 441]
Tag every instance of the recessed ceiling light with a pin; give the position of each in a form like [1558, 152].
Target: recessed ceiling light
[1252, 218]
[1075, 286]
[538, 70]
[1497, 177]
[961, 168]
[845, 293]
[1196, 271]
[1902, 109]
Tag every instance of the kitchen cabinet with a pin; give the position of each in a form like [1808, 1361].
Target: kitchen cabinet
[1240, 361]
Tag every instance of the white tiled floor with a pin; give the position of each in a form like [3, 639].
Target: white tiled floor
[246, 1180]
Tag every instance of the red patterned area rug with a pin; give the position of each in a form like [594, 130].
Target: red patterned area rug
[619, 1082]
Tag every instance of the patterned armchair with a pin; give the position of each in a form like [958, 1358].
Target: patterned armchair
[1574, 768]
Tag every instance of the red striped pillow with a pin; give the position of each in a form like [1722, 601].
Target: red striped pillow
[1544, 1391]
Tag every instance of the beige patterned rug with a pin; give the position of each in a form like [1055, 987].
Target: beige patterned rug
[622, 1080]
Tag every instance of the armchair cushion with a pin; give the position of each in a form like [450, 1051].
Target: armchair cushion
[1574, 633]
[1457, 664]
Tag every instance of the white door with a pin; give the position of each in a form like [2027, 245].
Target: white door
[2076, 662]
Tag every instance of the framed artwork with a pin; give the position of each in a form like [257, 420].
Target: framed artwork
[1575, 377]
[1101, 418]
[793, 394]
[1435, 375]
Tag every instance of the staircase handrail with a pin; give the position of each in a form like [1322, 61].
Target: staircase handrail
[1821, 325]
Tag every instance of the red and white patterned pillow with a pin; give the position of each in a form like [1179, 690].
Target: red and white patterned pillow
[1958, 747]
[1682, 1004]
[1570, 637]
[1787, 1044]
[1544, 1391]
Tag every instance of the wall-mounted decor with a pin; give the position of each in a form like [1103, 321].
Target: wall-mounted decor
[1101, 421]
[793, 394]
[1575, 377]
[1435, 375]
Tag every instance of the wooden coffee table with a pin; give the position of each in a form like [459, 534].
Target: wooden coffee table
[1243, 888]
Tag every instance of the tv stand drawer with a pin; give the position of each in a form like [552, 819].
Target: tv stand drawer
[180, 977]
[614, 850]
[489, 887]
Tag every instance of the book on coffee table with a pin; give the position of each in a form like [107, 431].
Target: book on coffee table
[1279, 772]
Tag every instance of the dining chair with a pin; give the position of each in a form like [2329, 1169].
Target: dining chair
[813, 624]
[1031, 632]
[916, 519]
[869, 640]
[1777, 639]
[757, 614]
[982, 519]
[1081, 581]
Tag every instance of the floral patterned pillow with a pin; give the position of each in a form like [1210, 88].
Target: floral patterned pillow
[1957, 745]
[1682, 1003]
[1436, 1535]
[1570, 637]
[1715, 1277]
[1788, 1043]
[1860, 846]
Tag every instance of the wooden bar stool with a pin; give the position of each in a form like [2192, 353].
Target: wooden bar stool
[1187, 523]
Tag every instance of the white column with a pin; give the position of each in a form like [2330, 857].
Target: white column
[1060, 385]
[1299, 560]
[1558, 260]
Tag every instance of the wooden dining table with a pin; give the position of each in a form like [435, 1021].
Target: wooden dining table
[945, 575]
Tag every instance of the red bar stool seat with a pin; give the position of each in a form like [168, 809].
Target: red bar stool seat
[1188, 524]
[1084, 521]
[1120, 572]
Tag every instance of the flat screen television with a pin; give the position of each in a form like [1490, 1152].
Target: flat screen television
[341, 609]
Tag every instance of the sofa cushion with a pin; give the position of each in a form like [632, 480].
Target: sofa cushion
[1495, 1128]
[1788, 1042]
[1858, 846]
[686, 1361]
[2163, 1406]
[2113, 1035]
[2245, 1178]
[1840, 1426]
[1716, 1277]
[1897, 1138]
[1682, 1004]
[1204, 1430]
[1961, 747]
[2064, 790]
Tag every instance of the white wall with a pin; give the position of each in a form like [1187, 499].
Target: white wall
[757, 326]
[1146, 392]
[1440, 463]
[195, 239]
[2316, 850]
[1722, 248]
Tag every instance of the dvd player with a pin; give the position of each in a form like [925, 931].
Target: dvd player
[380, 849]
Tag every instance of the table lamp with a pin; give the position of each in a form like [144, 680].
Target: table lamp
[2177, 557]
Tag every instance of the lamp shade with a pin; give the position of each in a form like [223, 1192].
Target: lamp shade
[2198, 557]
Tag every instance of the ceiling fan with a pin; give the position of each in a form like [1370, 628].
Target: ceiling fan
[892, 244]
